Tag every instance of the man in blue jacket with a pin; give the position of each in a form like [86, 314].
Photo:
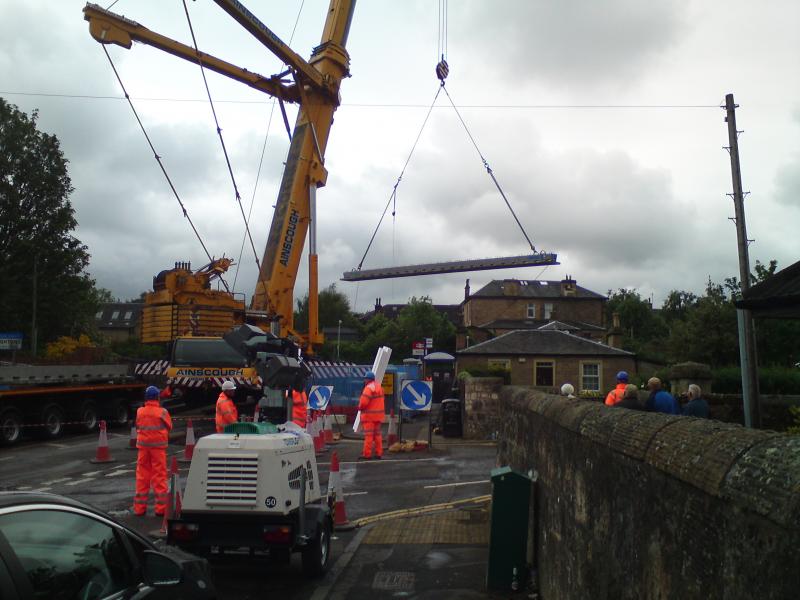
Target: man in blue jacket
[661, 400]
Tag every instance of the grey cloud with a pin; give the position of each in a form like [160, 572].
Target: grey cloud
[575, 43]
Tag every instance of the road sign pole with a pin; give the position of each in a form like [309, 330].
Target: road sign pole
[430, 430]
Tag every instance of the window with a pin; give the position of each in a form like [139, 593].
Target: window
[199, 352]
[67, 555]
[500, 363]
[548, 309]
[98, 315]
[531, 311]
[115, 315]
[544, 373]
[590, 377]
[128, 315]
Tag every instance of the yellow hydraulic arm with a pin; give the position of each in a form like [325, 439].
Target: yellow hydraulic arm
[316, 89]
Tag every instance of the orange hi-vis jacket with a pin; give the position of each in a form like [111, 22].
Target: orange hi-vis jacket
[226, 412]
[153, 425]
[371, 403]
[299, 410]
[616, 394]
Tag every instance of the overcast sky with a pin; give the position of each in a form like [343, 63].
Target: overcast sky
[627, 197]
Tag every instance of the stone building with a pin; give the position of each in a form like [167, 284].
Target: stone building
[546, 358]
[507, 305]
[119, 321]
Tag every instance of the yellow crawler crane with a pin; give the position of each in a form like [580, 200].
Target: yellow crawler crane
[314, 85]
[183, 303]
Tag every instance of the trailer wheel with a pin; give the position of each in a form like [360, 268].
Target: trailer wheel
[10, 426]
[315, 556]
[118, 414]
[53, 421]
[87, 416]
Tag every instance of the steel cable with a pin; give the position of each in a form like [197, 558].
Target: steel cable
[158, 158]
[488, 168]
[219, 133]
[393, 195]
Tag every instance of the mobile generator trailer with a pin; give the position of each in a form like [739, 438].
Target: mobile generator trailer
[255, 489]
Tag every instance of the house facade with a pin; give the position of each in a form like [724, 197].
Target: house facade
[119, 321]
[547, 358]
[507, 305]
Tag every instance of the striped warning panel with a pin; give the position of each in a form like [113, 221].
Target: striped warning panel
[153, 367]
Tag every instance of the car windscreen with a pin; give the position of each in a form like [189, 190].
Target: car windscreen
[205, 352]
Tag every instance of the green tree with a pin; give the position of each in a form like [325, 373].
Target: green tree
[37, 247]
[643, 331]
[333, 306]
[677, 305]
[419, 320]
[709, 332]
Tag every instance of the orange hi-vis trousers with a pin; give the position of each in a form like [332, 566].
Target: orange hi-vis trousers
[372, 435]
[151, 470]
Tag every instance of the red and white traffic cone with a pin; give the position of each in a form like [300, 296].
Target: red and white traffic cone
[103, 455]
[336, 495]
[320, 432]
[328, 428]
[132, 440]
[391, 437]
[188, 450]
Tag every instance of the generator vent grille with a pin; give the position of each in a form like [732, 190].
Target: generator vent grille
[232, 479]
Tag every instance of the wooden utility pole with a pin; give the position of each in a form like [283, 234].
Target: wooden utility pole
[747, 337]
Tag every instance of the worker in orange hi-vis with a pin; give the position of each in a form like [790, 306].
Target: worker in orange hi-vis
[615, 395]
[153, 425]
[299, 403]
[226, 409]
[372, 414]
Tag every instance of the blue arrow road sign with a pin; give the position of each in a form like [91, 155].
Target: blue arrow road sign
[319, 396]
[416, 395]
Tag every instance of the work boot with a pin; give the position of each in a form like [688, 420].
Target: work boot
[378, 458]
[364, 457]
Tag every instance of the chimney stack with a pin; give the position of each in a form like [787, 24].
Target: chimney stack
[568, 286]
[466, 291]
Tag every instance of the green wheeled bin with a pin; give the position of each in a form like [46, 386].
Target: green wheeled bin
[508, 535]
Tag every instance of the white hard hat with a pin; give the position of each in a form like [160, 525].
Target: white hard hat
[567, 389]
[228, 385]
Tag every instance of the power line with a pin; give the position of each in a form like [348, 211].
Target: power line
[263, 151]
[158, 158]
[219, 134]
[374, 104]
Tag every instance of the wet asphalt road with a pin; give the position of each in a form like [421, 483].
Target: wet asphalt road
[405, 480]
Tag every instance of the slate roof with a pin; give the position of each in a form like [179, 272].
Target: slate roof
[541, 324]
[778, 296]
[543, 342]
[118, 315]
[499, 288]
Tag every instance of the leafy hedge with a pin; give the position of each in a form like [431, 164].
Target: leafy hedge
[771, 380]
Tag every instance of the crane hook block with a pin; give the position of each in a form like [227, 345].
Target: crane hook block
[442, 70]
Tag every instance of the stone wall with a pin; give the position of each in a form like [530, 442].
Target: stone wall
[481, 407]
[641, 505]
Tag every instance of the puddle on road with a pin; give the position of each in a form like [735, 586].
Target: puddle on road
[437, 559]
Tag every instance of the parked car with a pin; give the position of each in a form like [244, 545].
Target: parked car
[57, 548]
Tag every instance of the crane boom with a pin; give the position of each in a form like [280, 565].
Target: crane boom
[109, 28]
[316, 89]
